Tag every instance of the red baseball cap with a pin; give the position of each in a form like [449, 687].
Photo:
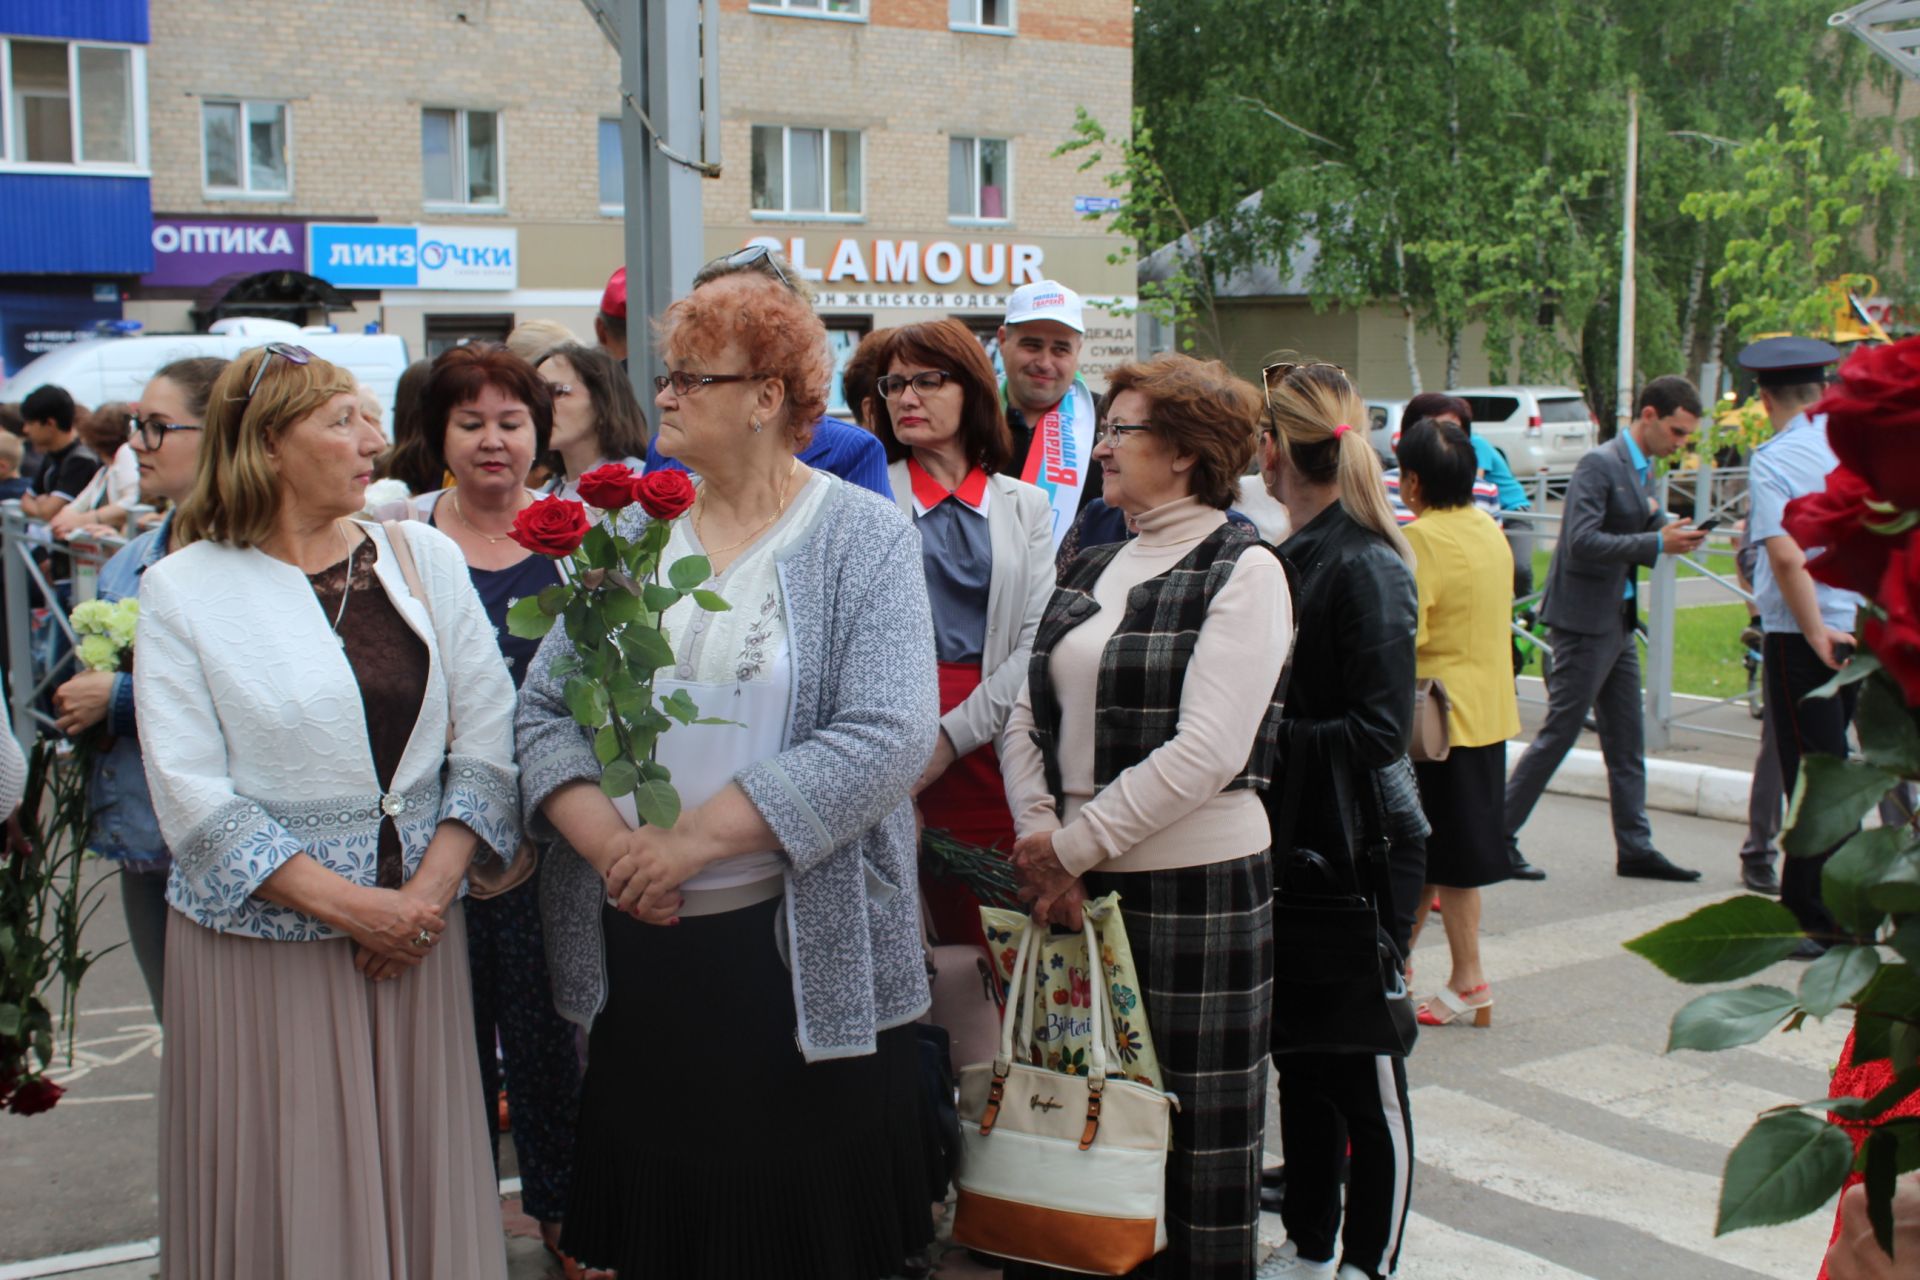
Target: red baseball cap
[613, 301]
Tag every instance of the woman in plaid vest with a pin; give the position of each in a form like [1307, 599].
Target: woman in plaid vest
[1134, 761]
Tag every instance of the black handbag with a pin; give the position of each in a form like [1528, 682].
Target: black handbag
[1339, 982]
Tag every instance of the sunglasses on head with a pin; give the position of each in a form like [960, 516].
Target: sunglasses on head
[286, 351]
[1276, 374]
[754, 255]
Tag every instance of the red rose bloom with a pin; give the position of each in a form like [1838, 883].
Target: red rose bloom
[608, 486]
[665, 495]
[1896, 641]
[1853, 557]
[36, 1095]
[551, 527]
[1873, 419]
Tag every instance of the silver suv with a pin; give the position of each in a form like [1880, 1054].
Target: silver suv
[1537, 429]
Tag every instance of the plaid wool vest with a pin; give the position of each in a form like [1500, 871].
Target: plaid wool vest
[1144, 664]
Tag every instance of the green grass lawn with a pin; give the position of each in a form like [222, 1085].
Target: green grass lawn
[1706, 651]
[1721, 562]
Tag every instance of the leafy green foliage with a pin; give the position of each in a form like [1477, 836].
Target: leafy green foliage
[1722, 942]
[1789, 1164]
[1724, 1019]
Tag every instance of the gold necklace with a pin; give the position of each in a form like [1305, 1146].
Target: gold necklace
[491, 539]
[771, 520]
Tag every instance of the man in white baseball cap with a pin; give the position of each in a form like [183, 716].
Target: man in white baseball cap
[1049, 408]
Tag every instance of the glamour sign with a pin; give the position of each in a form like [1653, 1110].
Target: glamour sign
[985, 264]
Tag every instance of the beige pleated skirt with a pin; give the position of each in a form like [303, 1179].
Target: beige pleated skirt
[315, 1125]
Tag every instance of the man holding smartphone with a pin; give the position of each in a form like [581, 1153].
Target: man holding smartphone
[1808, 626]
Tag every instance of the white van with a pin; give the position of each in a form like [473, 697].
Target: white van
[1537, 429]
[97, 370]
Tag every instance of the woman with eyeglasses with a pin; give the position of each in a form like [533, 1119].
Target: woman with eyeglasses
[328, 742]
[752, 1104]
[987, 547]
[165, 437]
[1134, 761]
[1349, 708]
[596, 419]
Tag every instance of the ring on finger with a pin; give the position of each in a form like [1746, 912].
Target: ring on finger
[423, 939]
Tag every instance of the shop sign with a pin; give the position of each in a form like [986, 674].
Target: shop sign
[982, 264]
[363, 255]
[197, 251]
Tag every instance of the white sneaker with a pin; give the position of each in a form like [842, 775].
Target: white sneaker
[1287, 1264]
[1350, 1272]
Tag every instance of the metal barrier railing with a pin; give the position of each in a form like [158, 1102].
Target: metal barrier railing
[33, 673]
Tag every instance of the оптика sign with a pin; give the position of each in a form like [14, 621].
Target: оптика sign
[373, 255]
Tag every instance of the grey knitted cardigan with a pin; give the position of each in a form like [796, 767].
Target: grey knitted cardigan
[862, 725]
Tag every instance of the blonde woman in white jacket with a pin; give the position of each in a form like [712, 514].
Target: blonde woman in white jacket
[327, 751]
[986, 544]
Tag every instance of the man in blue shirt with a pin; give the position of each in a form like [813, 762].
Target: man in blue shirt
[854, 455]
[1808, 626]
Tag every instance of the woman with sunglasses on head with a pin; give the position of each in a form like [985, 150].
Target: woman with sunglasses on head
[987, 546]
[596, 419]
[1350, 700]
[753, 1103]
[165, 438]
[328, 741]
[1134, 760]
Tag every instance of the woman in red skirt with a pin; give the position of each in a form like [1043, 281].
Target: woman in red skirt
[987, 543]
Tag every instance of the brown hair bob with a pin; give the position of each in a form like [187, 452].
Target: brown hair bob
[1199, 408]
[951, 346]
[460, 374]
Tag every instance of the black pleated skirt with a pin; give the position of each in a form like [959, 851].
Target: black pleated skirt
[709, 1148]
[1465, 799]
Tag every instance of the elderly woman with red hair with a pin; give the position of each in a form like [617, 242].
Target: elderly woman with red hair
[752, 1103]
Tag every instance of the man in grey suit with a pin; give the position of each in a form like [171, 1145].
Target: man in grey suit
[1610, 526]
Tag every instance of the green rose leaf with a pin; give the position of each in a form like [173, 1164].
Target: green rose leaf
[527, 620]
[587, 701]
[711, 601]
[1723, 942]
[606, 745]
[1789, 1164]
[1889, 734]
[679, 704]
[9, 1020]
[632, 701]
[1829, 800]
[1836, 978]
[659, 598]
[567, 664]
[650, 720]
[1906, 938]
[1856, 868]
[658, 804]
[642, 740]
[1862, 666]
[1898, 888]
[598, 547]
[1724, 1019]
[1893, 993]
[619, 778]
[689, 572]
[620, 608]
[719, 720]
[553, 599]
[654, 771]
[646, 648]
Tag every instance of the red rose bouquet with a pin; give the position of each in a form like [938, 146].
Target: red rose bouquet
[616, 593]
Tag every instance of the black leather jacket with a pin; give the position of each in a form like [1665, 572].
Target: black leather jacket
[1352, 676]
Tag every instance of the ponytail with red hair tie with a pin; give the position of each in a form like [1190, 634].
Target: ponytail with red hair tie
[1341, 430]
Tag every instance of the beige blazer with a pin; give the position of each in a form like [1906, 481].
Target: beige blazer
[1020, 531]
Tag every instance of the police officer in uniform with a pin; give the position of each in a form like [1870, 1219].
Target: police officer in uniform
[1808, 626]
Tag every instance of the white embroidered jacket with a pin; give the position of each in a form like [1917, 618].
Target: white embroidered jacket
[256, 743]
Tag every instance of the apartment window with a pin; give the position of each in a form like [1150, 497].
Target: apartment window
[812, 8]
[460, 157]
[806, 172]
[70, 104]
[981, 15]
[447, 331]
[244, 148]
[980, 179]
[613, 169]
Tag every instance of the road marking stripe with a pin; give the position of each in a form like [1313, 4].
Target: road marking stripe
[65, 1262]
[1510, 1154]
[1678, 1093]
[72, 1101]
[1815, 1046]
[1436, 1251]
[1523, 953]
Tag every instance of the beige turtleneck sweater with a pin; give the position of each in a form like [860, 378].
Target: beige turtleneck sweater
[1168, 810]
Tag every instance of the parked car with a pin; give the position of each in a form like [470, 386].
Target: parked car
[1537, 429]
[97, 370]
[1383, 428]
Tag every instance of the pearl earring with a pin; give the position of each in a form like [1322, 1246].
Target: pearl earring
[755, 424]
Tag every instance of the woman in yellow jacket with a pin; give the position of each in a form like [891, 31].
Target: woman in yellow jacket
[1464, 570]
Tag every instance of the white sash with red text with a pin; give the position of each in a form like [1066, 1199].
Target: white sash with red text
[1062, 454]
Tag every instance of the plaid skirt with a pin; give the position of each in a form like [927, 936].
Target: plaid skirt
[1202, 938]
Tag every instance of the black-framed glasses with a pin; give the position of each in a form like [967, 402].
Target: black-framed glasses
[754, 255]
[286, 351]
[924, 383]
[151, 433]
[1115, 434]
[683, 382]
